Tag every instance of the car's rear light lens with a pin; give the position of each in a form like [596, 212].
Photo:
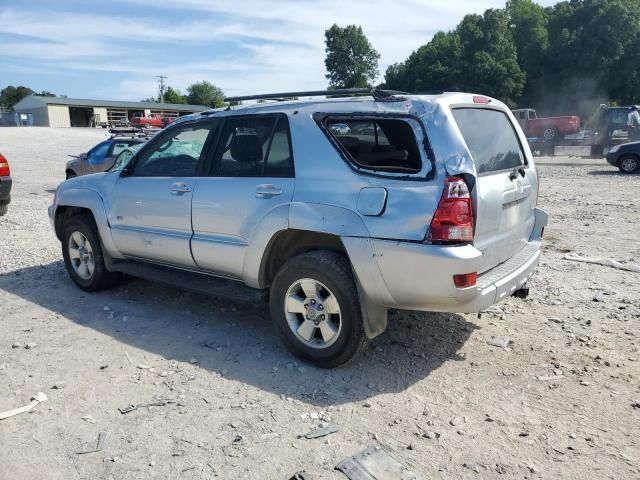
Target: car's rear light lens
[5, 171]
[466, 280]
[453, 219]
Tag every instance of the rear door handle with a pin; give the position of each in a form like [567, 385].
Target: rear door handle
[267, 191]
[179, 188]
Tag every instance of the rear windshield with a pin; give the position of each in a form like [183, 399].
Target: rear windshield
[377, 144]
[491, 139]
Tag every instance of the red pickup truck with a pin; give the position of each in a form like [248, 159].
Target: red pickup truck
[548, 128]
[147, 122]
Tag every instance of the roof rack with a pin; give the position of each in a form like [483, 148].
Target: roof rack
[376, 93]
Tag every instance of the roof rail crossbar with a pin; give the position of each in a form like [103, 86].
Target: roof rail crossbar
[347, 92]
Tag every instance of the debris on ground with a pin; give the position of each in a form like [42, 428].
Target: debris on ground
[321, 432]
[157, 403]
[35, 400]
[502, 342]
[102, 437]
[88, 419]
[629, 267]
[375, 463]
[59, 385]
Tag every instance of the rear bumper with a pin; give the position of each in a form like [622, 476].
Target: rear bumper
[5, 190]
[416, 276]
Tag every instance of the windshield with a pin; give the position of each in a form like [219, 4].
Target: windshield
[125, 156]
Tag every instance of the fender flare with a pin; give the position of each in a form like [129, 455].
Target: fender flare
[91, 200]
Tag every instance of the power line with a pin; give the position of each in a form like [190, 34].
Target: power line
[161, 79]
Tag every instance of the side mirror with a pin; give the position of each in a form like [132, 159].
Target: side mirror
[83, 156]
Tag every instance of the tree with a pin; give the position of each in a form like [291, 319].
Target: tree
[149, 100]
[351, 60]
[44, 93]
[205, 93]
[173, 96]
[11, 95]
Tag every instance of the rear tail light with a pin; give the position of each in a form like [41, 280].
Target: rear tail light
[453, 220]
[466, 280]
[5, 171]
[481, 99]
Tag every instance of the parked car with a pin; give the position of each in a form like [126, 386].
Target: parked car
[547, 128]
[5, 185]
[141, 121]
[101, 157]
[435, 210]
[626, 157]
[125, 156]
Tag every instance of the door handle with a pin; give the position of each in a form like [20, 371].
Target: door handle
[267, 191]
[179, 188]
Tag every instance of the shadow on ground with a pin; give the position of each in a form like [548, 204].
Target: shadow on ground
[610, 173]
[239, 341]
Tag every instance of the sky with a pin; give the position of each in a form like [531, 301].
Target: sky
[114, 49]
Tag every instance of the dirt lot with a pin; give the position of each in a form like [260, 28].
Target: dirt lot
[560, 403]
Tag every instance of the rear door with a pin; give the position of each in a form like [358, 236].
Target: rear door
[250, 174]
[506, 183]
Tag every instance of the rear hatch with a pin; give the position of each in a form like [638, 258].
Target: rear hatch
[505, 193]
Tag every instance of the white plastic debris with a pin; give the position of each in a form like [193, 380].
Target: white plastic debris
[629, 267]
[35, 400]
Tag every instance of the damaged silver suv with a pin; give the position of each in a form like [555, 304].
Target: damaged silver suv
[334, 210]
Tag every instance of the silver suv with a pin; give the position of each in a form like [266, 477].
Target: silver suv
[334, 209]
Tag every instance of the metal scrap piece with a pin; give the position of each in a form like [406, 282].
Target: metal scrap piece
[375, 463]
[102, 436]
[321, 432]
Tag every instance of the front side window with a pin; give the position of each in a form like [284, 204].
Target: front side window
[378, 144]
[491, 139]
[175, 154]
[254, 147]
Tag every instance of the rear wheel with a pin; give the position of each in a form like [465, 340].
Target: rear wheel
[83, 257]
[314, 303]
[550, 133]
[629, 164]
[71, 174]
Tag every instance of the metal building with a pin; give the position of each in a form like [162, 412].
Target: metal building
[76, 112]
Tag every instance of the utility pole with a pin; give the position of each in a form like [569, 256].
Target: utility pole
[161, 79]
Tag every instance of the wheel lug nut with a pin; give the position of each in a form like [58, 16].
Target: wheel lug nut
[313, 302]
[321, 317]
[320, 307]
[306, 306]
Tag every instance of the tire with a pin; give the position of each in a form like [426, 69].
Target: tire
[550, 133]
[629, 164]
[71, 174]
[3, 209]
[332, 274]
[90, 280]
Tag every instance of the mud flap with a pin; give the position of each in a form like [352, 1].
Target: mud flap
[374, 316]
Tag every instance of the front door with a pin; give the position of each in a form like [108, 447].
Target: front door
[150, 213]
[249, 176]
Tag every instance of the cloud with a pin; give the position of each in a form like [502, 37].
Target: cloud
[243, 46]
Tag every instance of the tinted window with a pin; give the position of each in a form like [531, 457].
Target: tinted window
[490, 138]
[254, 147]
[387, 145]
[175, 154]
[99, 152]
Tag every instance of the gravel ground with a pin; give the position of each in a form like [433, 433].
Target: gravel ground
[560, 403]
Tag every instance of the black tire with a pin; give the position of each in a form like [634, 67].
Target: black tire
[71, 174]
[334, 271]
[550, 133]
[629, 164]
[101, 278]
[3, 209]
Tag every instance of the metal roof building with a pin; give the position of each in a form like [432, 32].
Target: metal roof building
[77, 112]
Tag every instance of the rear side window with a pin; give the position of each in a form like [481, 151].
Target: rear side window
[490, 138]
[254, 147]
[377, 144]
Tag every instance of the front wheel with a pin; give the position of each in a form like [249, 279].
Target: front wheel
[314, 303]
[629, 164]
[83, 257]
[550, 133]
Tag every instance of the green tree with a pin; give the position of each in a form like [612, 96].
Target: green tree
[45, 93]
[173, 96]
[351, 60]
[205, 93]
[11, 95]
[150, 100]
